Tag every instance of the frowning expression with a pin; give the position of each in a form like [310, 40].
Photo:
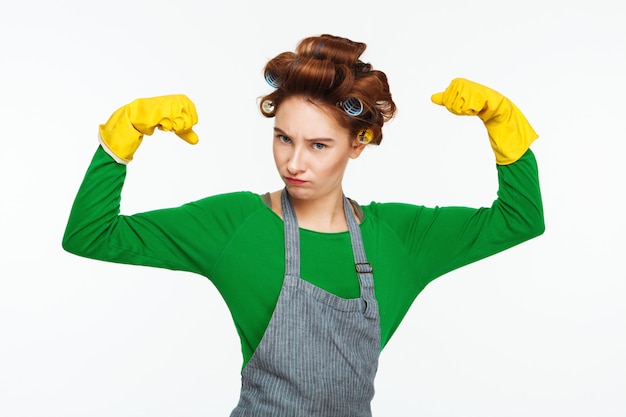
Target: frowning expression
[311, 149]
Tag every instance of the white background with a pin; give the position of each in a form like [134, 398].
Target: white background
[538, 330]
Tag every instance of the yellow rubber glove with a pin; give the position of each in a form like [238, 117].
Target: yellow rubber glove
[122, 134]
[509, 132]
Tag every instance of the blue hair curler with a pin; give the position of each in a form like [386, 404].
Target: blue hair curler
[272, 79]
[352, 106]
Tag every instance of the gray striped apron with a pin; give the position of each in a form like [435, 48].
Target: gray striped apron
[319, 354]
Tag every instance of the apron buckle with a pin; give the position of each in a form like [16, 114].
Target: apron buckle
[364, 268]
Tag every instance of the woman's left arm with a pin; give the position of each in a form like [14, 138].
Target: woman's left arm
[517, 214]
[441, 239]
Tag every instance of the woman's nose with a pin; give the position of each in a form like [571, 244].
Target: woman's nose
[296, 163]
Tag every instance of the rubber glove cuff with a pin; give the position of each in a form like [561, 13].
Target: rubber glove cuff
[118, 136]
[510, 133]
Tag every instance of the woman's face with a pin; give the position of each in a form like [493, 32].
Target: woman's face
[311, 149]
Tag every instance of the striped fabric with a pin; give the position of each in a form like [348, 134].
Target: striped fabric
[319, 354]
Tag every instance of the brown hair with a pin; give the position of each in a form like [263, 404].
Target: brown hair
[327, 70]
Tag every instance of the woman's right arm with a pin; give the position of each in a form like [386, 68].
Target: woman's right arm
[183, 238]
[190, 237]
[96, 229]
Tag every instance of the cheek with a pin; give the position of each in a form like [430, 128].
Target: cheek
[276, 152]
[334, 166]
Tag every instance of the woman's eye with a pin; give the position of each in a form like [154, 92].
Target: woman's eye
[284, 139]
[319, 146]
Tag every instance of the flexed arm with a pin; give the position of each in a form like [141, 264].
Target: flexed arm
[95, 227]
[441, 239]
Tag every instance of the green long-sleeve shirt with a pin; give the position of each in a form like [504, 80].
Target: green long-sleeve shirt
[236, 241]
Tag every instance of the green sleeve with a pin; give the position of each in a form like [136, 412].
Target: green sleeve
[441, 239]
[189, 238]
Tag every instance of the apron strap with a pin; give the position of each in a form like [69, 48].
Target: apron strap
[363, 268]
[292, 236]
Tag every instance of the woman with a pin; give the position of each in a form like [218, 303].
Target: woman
[316, 284]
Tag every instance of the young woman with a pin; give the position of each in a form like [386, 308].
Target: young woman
[316, 283]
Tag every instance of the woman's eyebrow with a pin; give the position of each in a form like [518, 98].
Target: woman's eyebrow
[279, 131]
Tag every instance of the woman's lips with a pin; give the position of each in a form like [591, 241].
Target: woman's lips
[294, 181]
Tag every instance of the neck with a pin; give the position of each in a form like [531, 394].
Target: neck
[324, 214]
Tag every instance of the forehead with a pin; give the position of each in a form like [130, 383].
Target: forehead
[302, 115]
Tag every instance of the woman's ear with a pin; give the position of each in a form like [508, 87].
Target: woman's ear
[364, 137]
[357, 148]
